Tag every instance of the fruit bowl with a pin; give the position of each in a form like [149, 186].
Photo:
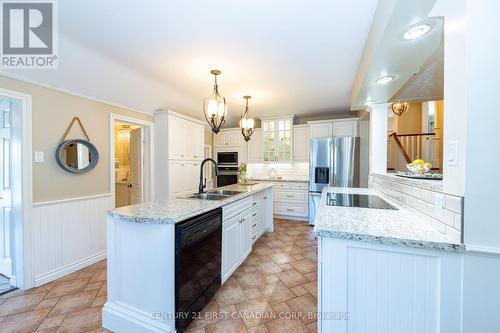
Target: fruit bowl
[419, 168]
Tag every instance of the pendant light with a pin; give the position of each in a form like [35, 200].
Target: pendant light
[399, 108]
[215, 107]
[246, 123]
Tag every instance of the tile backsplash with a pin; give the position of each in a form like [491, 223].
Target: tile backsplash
[444, 210]
[284, 170]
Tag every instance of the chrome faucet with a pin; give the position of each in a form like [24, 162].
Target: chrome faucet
[203, 184]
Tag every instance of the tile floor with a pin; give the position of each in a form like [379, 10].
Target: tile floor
[274, 290]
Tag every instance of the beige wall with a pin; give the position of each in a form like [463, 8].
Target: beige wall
[52, 112]
[410, 122]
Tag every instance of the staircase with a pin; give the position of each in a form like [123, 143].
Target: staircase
[405, 148]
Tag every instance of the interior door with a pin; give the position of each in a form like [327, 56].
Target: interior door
[5, 190]
[136, 159]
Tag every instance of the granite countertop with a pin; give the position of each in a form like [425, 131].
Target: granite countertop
[296, 180]
[175, 210]
[402, 227]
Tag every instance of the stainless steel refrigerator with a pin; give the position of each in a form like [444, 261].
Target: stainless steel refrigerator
[332, 162]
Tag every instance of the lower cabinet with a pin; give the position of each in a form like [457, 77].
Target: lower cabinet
[243, 222]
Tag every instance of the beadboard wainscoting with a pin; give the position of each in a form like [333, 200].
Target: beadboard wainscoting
[68, 235]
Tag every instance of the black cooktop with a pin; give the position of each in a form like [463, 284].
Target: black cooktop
[357, 200]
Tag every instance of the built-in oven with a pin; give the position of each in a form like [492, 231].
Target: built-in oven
[227, 158]
[198, 244]
[227, 175]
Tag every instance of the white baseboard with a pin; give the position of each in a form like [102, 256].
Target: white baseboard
[121, 318]
[68, 269]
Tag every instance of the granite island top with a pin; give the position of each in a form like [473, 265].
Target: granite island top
[402, 227]
[295, 180]
[175, 210]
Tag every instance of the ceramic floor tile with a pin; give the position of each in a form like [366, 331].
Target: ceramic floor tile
[67, 288]
[93, 286]
[98, 276]
[304, 266]
[52, 321]
[21, 303]
[312, 288]
[258, 329]
[81, 321]
[23, 322]
[276, 292]
[256, 311]
[227, 326]
[252, 280]
[298, 290]
[305, 305]
[230, 295]
[47, 303]
[292, 278]
[286, 325]
[282, 258]
[74, 302]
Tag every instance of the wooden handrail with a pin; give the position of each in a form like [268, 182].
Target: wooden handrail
[415, 134]
[400, 145]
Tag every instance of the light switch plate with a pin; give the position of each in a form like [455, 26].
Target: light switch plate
[39, 157]
[452, 157]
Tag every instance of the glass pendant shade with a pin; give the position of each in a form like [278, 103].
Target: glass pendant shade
[246, 123]
[215, 107]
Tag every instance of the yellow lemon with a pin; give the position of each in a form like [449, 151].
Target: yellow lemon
[419, 162]
[428, 165]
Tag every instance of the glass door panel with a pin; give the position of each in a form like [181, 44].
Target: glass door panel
[269, 140]
[284, 146]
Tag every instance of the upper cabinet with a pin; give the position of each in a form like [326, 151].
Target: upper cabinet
[301, 143]
[333, 128]
[185, 139]
[277, 139]
[228, 138]
[255, 154]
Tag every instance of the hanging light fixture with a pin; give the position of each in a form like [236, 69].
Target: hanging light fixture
[399, 108]
[246, 123]
[215, 107]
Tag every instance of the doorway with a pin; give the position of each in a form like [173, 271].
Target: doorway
[132, 161]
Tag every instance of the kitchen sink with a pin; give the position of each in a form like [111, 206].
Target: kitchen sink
[225, 192]
[207, 196]
[213, 195]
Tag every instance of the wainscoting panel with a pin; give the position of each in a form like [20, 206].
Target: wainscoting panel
[68, 235]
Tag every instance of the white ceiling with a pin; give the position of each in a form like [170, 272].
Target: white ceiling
[293, 57]
[388, 53]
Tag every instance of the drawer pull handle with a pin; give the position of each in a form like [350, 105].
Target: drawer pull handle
[290, 210]
[289, 196]
[254, 225]
[253, 204]
[253, 238]
[254, 214]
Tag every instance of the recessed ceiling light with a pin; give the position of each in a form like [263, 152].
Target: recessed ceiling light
[417, 31]
[384, 79]
[368, 102]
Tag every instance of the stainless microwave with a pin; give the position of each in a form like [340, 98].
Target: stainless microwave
[228, 158]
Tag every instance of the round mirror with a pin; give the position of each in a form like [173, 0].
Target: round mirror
[77, 155]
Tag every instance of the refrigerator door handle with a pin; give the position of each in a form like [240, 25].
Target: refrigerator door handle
[313, 206]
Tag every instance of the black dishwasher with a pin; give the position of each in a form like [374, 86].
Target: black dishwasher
[198, 243]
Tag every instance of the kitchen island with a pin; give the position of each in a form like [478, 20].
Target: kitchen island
[144, 285]
[384, 270]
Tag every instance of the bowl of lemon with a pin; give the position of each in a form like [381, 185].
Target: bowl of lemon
[419, 167]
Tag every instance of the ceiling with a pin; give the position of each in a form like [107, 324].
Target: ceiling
[387, 53]
[294, 57]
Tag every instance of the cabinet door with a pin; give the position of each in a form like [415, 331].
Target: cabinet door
[284, 142]
[269, 140]
[175, 137]
[176, 174]
[231, 246]
[198, 133]
[220, 139]
[246, 234]
[234, 138]
[255, 147]
[194, 176]
[322, 130]
[342, 129]
[301, 143]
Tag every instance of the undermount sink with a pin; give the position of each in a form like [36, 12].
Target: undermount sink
[214, 195]
[225, 192]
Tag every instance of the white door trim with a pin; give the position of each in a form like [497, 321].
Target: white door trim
[22, 200]
[148, 154]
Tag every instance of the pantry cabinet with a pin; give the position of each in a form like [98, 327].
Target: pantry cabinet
[300, 143]
[179, 150]
[228, 138]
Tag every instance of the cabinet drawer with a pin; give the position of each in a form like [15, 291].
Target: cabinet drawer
[299, 186]
[236, 208]
[292, 210]
[290, 196]
[281, 185]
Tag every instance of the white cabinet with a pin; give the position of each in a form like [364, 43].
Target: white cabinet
[228, 138]
[301, 143]
[277, 139]
[290, 200]
[255, 147]
[333, 128]
[179, 143]
[246, 234]
[231, 244]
